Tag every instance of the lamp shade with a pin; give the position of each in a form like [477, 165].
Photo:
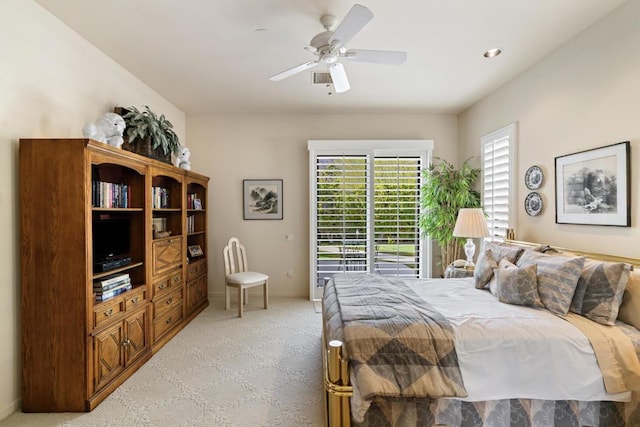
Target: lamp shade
[471, 223]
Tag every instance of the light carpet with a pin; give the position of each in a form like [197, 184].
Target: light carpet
[261, 370]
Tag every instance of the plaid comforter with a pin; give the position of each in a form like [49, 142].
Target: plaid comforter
[398, 345]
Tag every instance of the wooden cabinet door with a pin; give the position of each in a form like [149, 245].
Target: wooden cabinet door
[108, 355]
[136, 340]
[166, 255]
[196, 292]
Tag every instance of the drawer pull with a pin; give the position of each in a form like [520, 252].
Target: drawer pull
[161, 287]
[168, 320]
[108, 312]
[170, 241]
[169, 301]
[134, 300]
[176, 279]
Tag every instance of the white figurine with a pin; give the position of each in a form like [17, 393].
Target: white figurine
[183, 159]
[109, 130]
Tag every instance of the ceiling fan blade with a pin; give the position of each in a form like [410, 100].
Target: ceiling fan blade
[291, 71]
[376, 56]
[339, 77]
[355, 20]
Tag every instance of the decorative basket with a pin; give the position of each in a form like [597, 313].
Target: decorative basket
[143, 147]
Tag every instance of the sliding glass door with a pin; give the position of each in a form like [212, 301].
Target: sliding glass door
[365, 208]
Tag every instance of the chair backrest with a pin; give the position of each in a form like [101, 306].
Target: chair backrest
[235, 257]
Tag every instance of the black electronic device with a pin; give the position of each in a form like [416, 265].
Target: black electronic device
[111, 239]
[112, 263]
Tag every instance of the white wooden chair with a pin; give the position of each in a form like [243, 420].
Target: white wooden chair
[237, 275]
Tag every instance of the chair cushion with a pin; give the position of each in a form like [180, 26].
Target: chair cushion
[247, 278]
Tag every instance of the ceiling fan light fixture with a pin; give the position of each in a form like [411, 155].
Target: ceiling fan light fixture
[491, 53]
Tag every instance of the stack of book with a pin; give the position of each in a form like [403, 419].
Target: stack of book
[108, 287]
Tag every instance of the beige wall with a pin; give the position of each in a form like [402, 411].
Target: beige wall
[51, 83]
[582, 96]
[232, 148]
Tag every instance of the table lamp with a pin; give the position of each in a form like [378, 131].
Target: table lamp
[470, 224]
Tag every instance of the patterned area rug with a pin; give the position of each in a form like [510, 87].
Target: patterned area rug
[261, 370]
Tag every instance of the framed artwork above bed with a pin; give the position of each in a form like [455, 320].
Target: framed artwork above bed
[593, 186]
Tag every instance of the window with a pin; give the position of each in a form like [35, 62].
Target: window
[498, 183]
[365, 205]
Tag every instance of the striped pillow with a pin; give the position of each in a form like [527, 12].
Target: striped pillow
[557, 278]
[599, 292]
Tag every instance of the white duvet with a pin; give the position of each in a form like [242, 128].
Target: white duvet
[507, 351]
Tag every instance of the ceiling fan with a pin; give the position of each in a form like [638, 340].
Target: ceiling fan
[329, 46]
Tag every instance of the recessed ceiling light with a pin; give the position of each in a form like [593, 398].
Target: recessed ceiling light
[493, 52]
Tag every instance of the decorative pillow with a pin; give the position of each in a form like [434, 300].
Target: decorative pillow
[518, 286]
[557, 278]
[484, 269]
[504, 264]
[512, 253]
[599, 291]
[630, 308]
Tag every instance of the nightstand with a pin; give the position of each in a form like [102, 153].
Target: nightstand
[452, 272]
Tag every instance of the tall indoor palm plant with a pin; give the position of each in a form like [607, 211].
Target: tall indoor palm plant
[444, 192]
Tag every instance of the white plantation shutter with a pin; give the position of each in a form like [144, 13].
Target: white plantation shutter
[498, 185]
[342, 221]
[396, 213]
[365, 205]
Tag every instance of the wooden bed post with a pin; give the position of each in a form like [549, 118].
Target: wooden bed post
[338, 390]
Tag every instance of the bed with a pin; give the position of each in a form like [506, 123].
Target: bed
[542, 342]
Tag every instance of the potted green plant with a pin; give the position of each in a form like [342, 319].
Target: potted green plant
[149, 134]
[444, 192]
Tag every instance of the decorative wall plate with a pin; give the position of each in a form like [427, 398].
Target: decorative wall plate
[533, 204]
[533, 177]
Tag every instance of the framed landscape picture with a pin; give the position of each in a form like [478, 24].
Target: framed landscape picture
[593, 186]
[262, 199]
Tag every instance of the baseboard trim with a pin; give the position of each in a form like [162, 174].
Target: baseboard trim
[13, 407]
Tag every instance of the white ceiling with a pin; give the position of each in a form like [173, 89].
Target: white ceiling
[205, 56]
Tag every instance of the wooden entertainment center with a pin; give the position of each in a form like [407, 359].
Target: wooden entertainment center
[79, 343]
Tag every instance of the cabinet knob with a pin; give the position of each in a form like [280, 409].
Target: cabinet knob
[134, 300]
[125, 343]
[162, 286]
[108, 312]
[169, 301]
[168, 320]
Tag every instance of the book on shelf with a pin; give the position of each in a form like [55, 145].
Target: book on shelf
[109, 280]
[110, 195]
[104, 288]
[160, 197]
[159, 224]
[103, 296]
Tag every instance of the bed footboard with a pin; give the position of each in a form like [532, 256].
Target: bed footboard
[336, 384]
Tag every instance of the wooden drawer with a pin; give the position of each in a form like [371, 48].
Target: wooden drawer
[196, 269]
[170, 319]
[166, 254]
[107, 311]
[136, 298]
[171, 281]
[167, 302]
